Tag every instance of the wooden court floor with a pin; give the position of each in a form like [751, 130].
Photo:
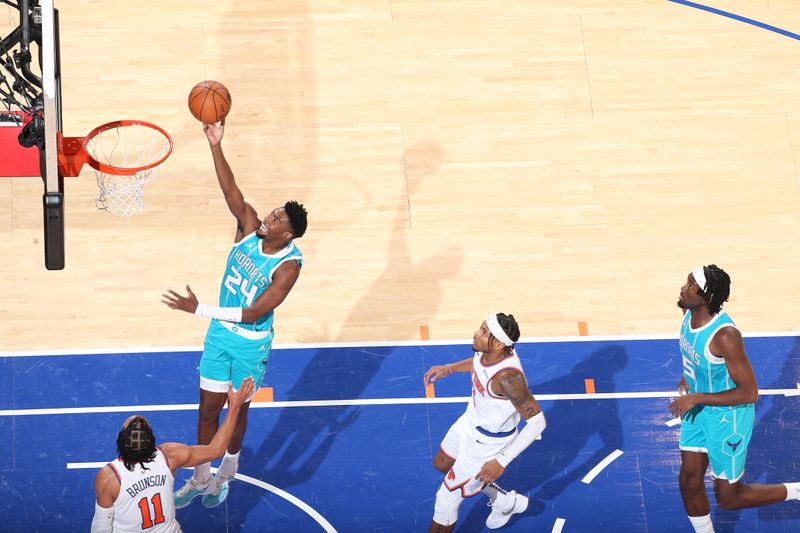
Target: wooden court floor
[563, 161]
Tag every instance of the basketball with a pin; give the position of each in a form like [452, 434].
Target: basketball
[209, 101]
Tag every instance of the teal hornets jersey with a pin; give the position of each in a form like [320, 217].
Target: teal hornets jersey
[704, 372]
[248, 273]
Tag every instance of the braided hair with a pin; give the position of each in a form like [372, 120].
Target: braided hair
[136, 443]
[717, 289]
[510, 327]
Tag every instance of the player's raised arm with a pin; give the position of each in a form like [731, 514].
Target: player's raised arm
[181, 455]
[245, 215]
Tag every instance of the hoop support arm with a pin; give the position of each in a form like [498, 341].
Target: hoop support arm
[71, 155]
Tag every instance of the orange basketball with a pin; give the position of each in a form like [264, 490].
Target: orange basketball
[209, 101]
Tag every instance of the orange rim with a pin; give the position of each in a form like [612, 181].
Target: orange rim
[122, 171]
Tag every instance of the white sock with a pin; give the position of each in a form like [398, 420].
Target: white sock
[202, 473]
[499, 498]
[702, 524]
[792, 491]
[230, 463]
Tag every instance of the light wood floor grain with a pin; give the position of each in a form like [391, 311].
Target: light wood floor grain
[563, 161]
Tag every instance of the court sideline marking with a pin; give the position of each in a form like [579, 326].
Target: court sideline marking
[366, 401]
[371, 344]
[739, 18]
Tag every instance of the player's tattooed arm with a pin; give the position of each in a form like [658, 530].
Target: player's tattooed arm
[512, 385]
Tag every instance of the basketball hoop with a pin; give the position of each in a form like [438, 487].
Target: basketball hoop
[124, 154]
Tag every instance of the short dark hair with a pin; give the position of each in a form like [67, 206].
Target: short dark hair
[136, 443]
[509, 325]
[717, 289]
[298, 217]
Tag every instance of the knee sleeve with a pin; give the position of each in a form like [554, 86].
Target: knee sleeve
[445, 510]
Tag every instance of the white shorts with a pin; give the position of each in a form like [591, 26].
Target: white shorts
[470, 449]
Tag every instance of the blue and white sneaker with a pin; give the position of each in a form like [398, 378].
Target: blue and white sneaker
[216, 497]
[191, 490]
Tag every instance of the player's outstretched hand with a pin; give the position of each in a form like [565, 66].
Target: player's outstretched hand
[214, 132]
[174, 300]
[237, 398]
[436, 372]
[490, 472]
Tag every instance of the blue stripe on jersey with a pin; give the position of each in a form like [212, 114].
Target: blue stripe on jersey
[249, 272]
[701, 374]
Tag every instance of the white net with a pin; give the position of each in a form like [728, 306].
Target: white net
[127, 146]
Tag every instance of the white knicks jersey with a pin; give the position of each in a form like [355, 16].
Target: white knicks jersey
[492, 413]
[145, 501]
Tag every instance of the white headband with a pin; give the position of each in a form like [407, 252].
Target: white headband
[497, 331]
[700, 277]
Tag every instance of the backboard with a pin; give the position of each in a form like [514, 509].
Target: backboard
[30, 88]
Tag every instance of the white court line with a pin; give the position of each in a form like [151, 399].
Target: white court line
[376, 344]
[293, 499]
[366, 401]
[310, 511]
[558, 525]
[600, 466]
[766, 392]
[76, 466]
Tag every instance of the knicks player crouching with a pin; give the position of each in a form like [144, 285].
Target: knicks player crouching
[484, 440]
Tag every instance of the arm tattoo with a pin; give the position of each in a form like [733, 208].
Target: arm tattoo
[515, 388]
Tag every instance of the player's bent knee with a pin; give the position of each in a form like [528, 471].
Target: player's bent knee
[445, 510]
[728, 501]
[727, 498]
[442, 464]
[726, 504]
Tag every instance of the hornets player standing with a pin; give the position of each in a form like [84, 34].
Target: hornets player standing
[716, 401]
[262, 268]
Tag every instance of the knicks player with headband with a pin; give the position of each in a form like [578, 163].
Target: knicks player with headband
[134, 492]
[716, 401]
[484, 440]
[263, 266]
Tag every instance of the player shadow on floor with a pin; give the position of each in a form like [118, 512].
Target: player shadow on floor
[579, 434]
[772, 456]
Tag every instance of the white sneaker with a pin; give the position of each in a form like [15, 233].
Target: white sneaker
[191, 490]
[500, 518]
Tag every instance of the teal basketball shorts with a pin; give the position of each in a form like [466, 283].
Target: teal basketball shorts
[723, 433]
[229, 357]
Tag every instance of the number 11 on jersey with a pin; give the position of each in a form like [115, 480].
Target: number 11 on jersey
[144, 507]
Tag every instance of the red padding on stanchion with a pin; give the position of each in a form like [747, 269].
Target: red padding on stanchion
[16, 161]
